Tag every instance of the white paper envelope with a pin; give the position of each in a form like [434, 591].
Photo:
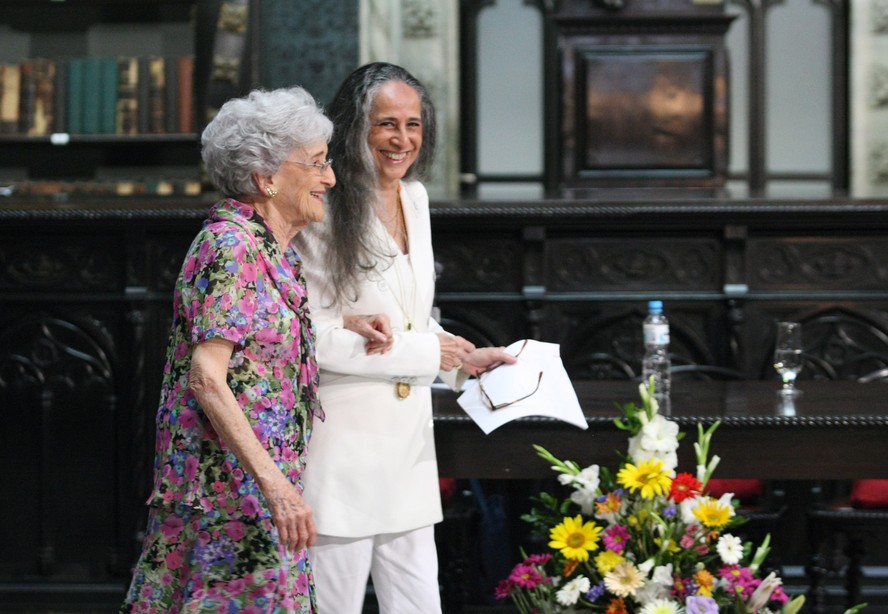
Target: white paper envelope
[518, 390]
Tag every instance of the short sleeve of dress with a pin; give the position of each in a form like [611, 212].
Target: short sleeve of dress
[218, 284]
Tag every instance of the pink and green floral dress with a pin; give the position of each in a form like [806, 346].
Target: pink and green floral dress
[211, 545]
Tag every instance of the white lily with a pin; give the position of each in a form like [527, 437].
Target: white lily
[763, 591]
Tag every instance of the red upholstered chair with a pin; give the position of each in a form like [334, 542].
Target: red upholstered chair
[748, 492]
[868, 494]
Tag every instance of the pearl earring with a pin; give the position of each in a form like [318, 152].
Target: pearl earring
[271, 192]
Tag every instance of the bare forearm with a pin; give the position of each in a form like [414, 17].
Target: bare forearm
[291, 515]
[234, 429]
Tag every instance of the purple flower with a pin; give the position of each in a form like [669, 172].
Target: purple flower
[701, 605]
[596, 592]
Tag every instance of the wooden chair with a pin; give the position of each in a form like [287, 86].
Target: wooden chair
[840, 532]
[841, 528]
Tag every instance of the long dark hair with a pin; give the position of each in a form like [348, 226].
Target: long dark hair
[351, 251]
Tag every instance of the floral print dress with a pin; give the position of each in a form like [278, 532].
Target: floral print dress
[211, 544]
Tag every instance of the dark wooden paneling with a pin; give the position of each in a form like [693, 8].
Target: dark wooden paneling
[85, 311]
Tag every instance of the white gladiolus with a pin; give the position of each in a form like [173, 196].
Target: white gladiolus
[659, 435]
[585, 498]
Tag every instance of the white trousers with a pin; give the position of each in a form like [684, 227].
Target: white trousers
[403, 566]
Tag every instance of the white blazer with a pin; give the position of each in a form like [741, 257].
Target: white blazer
[371, 465]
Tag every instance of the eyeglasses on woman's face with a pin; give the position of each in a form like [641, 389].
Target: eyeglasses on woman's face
[321, 166]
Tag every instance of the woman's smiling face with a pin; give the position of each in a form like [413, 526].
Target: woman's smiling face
[395, 136]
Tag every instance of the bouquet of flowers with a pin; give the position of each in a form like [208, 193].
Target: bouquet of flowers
[647, 540]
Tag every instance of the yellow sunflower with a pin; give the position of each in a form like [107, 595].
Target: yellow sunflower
[575, 538]
[649, 477]
[712, 512]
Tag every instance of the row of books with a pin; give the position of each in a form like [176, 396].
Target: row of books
[118, 187]
[97, 95]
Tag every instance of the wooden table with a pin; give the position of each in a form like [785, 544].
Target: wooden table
[839, 431]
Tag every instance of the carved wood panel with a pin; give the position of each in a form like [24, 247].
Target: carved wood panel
[59, 264]
[59, 396]
[818, 263]
[633, 262]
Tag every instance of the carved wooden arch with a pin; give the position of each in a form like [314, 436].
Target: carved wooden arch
[612, 347]
[50, 349]
[59, 408]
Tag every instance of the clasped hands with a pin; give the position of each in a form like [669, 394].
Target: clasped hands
[456, 352]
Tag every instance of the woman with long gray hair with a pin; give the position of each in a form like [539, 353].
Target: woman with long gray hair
[372, 479]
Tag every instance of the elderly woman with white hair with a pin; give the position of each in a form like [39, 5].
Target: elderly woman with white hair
[228, 529]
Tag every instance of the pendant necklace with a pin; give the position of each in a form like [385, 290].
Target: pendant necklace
[406, 300]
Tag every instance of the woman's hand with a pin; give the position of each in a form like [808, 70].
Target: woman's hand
[291, 515]
[454, 351]
[376, 329]
[485, 359]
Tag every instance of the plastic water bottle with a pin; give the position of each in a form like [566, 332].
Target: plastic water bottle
[656, 354]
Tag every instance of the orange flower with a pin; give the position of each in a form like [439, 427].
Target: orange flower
[611, 505]
[705, 583]
[569, 567]
[617, 606]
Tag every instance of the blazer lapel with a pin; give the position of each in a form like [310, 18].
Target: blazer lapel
[419, 241]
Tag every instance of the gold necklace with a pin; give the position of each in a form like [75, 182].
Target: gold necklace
[402, 389]
[406, 300]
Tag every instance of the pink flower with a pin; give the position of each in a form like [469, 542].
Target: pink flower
[526, 576]
[504, 588]
[250, 505]
[188, 418]
[248, 271]
[171, 528]
[615, 538]
[302, 583]
[267, 335]
[739, 579]
[538, 559]
[174, 559]
[190, 468]
[234, 529]
[181, 350]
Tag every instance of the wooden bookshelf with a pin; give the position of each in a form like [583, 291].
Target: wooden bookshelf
[77, 115]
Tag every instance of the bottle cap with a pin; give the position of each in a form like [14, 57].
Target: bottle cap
[655, 306]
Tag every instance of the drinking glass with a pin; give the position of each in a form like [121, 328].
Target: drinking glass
[788, 356]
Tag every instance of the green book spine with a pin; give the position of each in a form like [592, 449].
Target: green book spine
[108, 112]
[75, 95]
[92, 98]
